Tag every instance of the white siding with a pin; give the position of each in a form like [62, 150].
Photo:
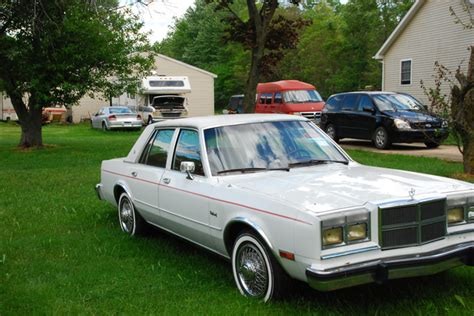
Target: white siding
[432, 35]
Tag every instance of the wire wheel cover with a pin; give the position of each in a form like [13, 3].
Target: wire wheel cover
[252, 270]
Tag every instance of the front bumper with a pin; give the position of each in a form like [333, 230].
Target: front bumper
[412, 136]
[380, 271]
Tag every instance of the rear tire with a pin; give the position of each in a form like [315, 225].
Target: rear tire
[432, 145]
[130, 220]
[257, 274]
[381, 139]
[331, 131]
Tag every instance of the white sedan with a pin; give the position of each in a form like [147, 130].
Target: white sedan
[280, 199]
[116, 117]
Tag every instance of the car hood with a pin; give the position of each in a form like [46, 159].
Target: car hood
[328, 187]
[414, 116]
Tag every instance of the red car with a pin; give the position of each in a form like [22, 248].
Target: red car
[289, 97]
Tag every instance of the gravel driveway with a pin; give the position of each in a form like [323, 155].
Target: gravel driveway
[445, 152]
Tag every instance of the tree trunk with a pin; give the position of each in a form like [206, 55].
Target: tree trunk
[30, 121]
[468, 156]
[252, 81]
[31, 132]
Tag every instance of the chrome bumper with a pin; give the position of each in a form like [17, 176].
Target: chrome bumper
[98, 190]
[380, 271]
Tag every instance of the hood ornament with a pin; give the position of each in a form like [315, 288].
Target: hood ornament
[411, 193]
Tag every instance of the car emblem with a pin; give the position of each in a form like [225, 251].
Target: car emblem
[428, 125]
[411, 193]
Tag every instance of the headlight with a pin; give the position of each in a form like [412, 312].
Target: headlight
[455, 215]
[357, 232]
[332, 236]
[470, 213]
[401, 124]
[444, 124]
[345, 228]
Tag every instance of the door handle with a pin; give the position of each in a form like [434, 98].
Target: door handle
[167, 180]
[134, 174]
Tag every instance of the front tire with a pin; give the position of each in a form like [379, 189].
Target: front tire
[104, 127]
[129, 219]
[257, 274]
[381, 139]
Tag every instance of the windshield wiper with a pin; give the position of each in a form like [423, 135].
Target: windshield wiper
[252, 169]
[316, 162]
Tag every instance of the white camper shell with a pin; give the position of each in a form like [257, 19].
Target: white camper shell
[164, 97]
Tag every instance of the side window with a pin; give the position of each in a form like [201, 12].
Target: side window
[157, 149]
[188, 149]
[350, 102]
[405, 72]
[278, 98]
[365, 102]
[261, 98]
[269, 98]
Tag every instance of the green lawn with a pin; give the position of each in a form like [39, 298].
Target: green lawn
[61, 250]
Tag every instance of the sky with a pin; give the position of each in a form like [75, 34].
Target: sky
[158, 15]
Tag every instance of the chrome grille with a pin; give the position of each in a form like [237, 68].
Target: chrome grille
[412, 224]
[311, 115]
[425, 125]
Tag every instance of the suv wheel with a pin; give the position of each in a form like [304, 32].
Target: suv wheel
[331, 131]
[381, 139]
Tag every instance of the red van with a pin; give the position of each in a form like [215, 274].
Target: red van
[290, 97]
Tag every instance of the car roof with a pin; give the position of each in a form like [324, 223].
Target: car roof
[202, 122]
[283, 85]
[365, 92]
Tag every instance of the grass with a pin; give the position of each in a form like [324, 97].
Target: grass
[62, 252]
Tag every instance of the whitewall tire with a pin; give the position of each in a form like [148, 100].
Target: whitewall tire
[256, 272]
[130, 221]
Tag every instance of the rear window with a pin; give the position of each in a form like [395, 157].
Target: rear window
[113, 110]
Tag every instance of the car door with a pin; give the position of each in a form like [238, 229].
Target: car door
[348, 116]
[184, 202]
[366, 119]
[145, 175]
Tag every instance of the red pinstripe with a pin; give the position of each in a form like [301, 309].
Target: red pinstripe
[211, 198]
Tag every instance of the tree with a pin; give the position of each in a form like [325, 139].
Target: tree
[55, 52]
[197, 39]
[262, 30]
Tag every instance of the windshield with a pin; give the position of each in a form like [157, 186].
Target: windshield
[397, 102]
[302, 96]
[269, 145]
[113, 110]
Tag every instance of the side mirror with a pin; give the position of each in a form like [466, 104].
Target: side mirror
[368, 109]
[188, 167]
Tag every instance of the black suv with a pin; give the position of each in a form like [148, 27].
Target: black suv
[383, 117]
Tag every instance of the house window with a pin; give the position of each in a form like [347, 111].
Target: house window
[405, 71]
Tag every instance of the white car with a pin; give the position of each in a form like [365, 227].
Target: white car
[116, 117]
[278, 197]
